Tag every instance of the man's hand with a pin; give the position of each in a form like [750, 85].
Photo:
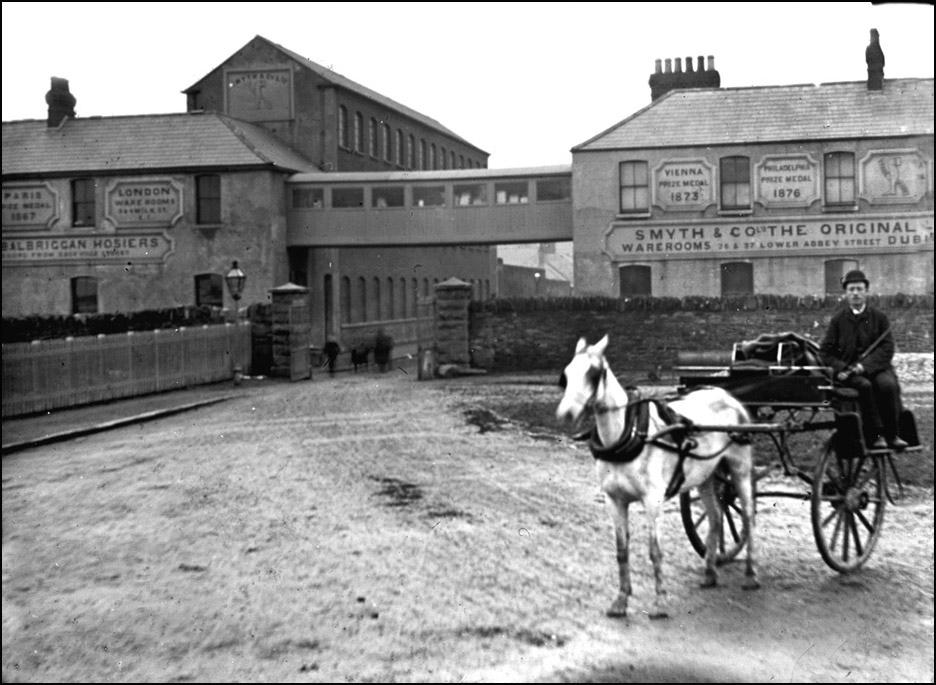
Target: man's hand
[842, 376]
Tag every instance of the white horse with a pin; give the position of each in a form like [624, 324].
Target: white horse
[590, 386]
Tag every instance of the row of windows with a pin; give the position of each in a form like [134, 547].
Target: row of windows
[735, 183]
[398, 148]
[463, 195]
[207, 200]
[737, 278]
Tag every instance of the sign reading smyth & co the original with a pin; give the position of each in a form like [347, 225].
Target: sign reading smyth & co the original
[154, 202]
[787, 181]
[756, 238]
[29, 205]
[50, 250]
[683, 185]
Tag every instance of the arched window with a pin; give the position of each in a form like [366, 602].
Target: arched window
[343, 127]
[400, 156]
[635, 280]
[389, 310]
[401, 305]
[377, 312]
[411, 151]
[362, 300]
[422, 161]
[345, 299]
[737, 278]
[373, 137]
[84, 295]
[387, 143]
[443, 157]
[358, 132]
[433, 160]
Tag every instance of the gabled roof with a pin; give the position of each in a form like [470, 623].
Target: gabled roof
[354, 87]
[140, 143]
[713, 116]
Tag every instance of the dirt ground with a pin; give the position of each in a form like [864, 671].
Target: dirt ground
[375, 528]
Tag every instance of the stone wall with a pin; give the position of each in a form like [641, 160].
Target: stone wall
[521, 335]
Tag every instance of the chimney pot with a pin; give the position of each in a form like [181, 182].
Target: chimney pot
[669, 65]
[679, 65]
[701, 62]
[659, 66]
[61, 102]
[689, 65]
[711, 63]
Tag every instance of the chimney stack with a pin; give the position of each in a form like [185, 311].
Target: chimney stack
[667, 80]
[874, 56]
[61, 102]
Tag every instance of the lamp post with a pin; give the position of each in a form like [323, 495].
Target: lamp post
[235, 279]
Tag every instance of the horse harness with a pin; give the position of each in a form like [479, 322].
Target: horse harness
[675, 437]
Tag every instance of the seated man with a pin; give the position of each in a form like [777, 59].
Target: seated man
[859, 346]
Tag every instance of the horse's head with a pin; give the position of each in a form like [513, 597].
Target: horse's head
[583, 380]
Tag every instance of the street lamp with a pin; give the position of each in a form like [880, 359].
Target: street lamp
[235, 281]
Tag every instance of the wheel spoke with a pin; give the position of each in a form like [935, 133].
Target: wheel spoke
[867, 524]
[847, 518]
[835, 511]
[699, 520]
[854, 528]
[838, 526]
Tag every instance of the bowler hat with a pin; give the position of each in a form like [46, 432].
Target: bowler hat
[855, 276]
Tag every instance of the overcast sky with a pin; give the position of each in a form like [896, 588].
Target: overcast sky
[524, 81]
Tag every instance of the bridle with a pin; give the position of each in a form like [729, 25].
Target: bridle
[596, 374]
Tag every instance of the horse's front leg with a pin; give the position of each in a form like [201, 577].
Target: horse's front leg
[714, 515]
[654, 513]
[618, 511]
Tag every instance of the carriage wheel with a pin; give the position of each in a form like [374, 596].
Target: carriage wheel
[847, 507]
[733, 531]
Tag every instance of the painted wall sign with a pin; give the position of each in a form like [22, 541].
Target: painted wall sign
[149, 248]
[787, 181]
[893, 177]
[684, 184]
[153, 202]
[259, 94]
[784, 238]
[29, 205]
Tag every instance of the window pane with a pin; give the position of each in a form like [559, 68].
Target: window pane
[388, 197]
[347, 197]
[208, 200]
[635, 281]
[737, 278]
[209, 290]
[553, 189]
[83, 202]
[84, 295]
[511, 193]
[474, 194]
[429, 196]
[303, 198]
[634, 189]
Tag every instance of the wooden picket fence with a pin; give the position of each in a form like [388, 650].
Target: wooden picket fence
[54, 374]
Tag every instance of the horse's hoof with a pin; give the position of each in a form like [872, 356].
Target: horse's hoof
[618, 609]
[750, 583]
[709, 581]
[658, 614]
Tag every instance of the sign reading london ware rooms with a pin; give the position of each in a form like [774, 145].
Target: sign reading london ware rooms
[144, 202]
[830, 235]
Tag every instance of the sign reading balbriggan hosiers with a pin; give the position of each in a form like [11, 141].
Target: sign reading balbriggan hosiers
[151, 248]
[155, 202]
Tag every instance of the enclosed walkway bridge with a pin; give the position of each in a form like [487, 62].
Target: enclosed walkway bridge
[408, 208]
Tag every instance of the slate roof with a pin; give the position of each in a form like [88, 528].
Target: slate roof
[139, 143]
[346, 83]
[722, 116]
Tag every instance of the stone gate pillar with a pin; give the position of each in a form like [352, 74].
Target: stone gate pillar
[451, 322]
[291, 331]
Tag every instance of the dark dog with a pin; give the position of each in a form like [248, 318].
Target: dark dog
[359, 355]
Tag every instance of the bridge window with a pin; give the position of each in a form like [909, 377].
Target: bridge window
[549, 189]
[388, 196]
[443, 157]
[84, 291]
[511, 193]
[209, 290]
[735, 181]
[423, 160]
[400, 155]
[635, 188]
[411, 151]
[342, 198]
[835, 270]
[373, 137]
[452, 160]
[304, 198]
[839, 178]
[473, 194]
[737, 278]
[635, 281]
[428, 196]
